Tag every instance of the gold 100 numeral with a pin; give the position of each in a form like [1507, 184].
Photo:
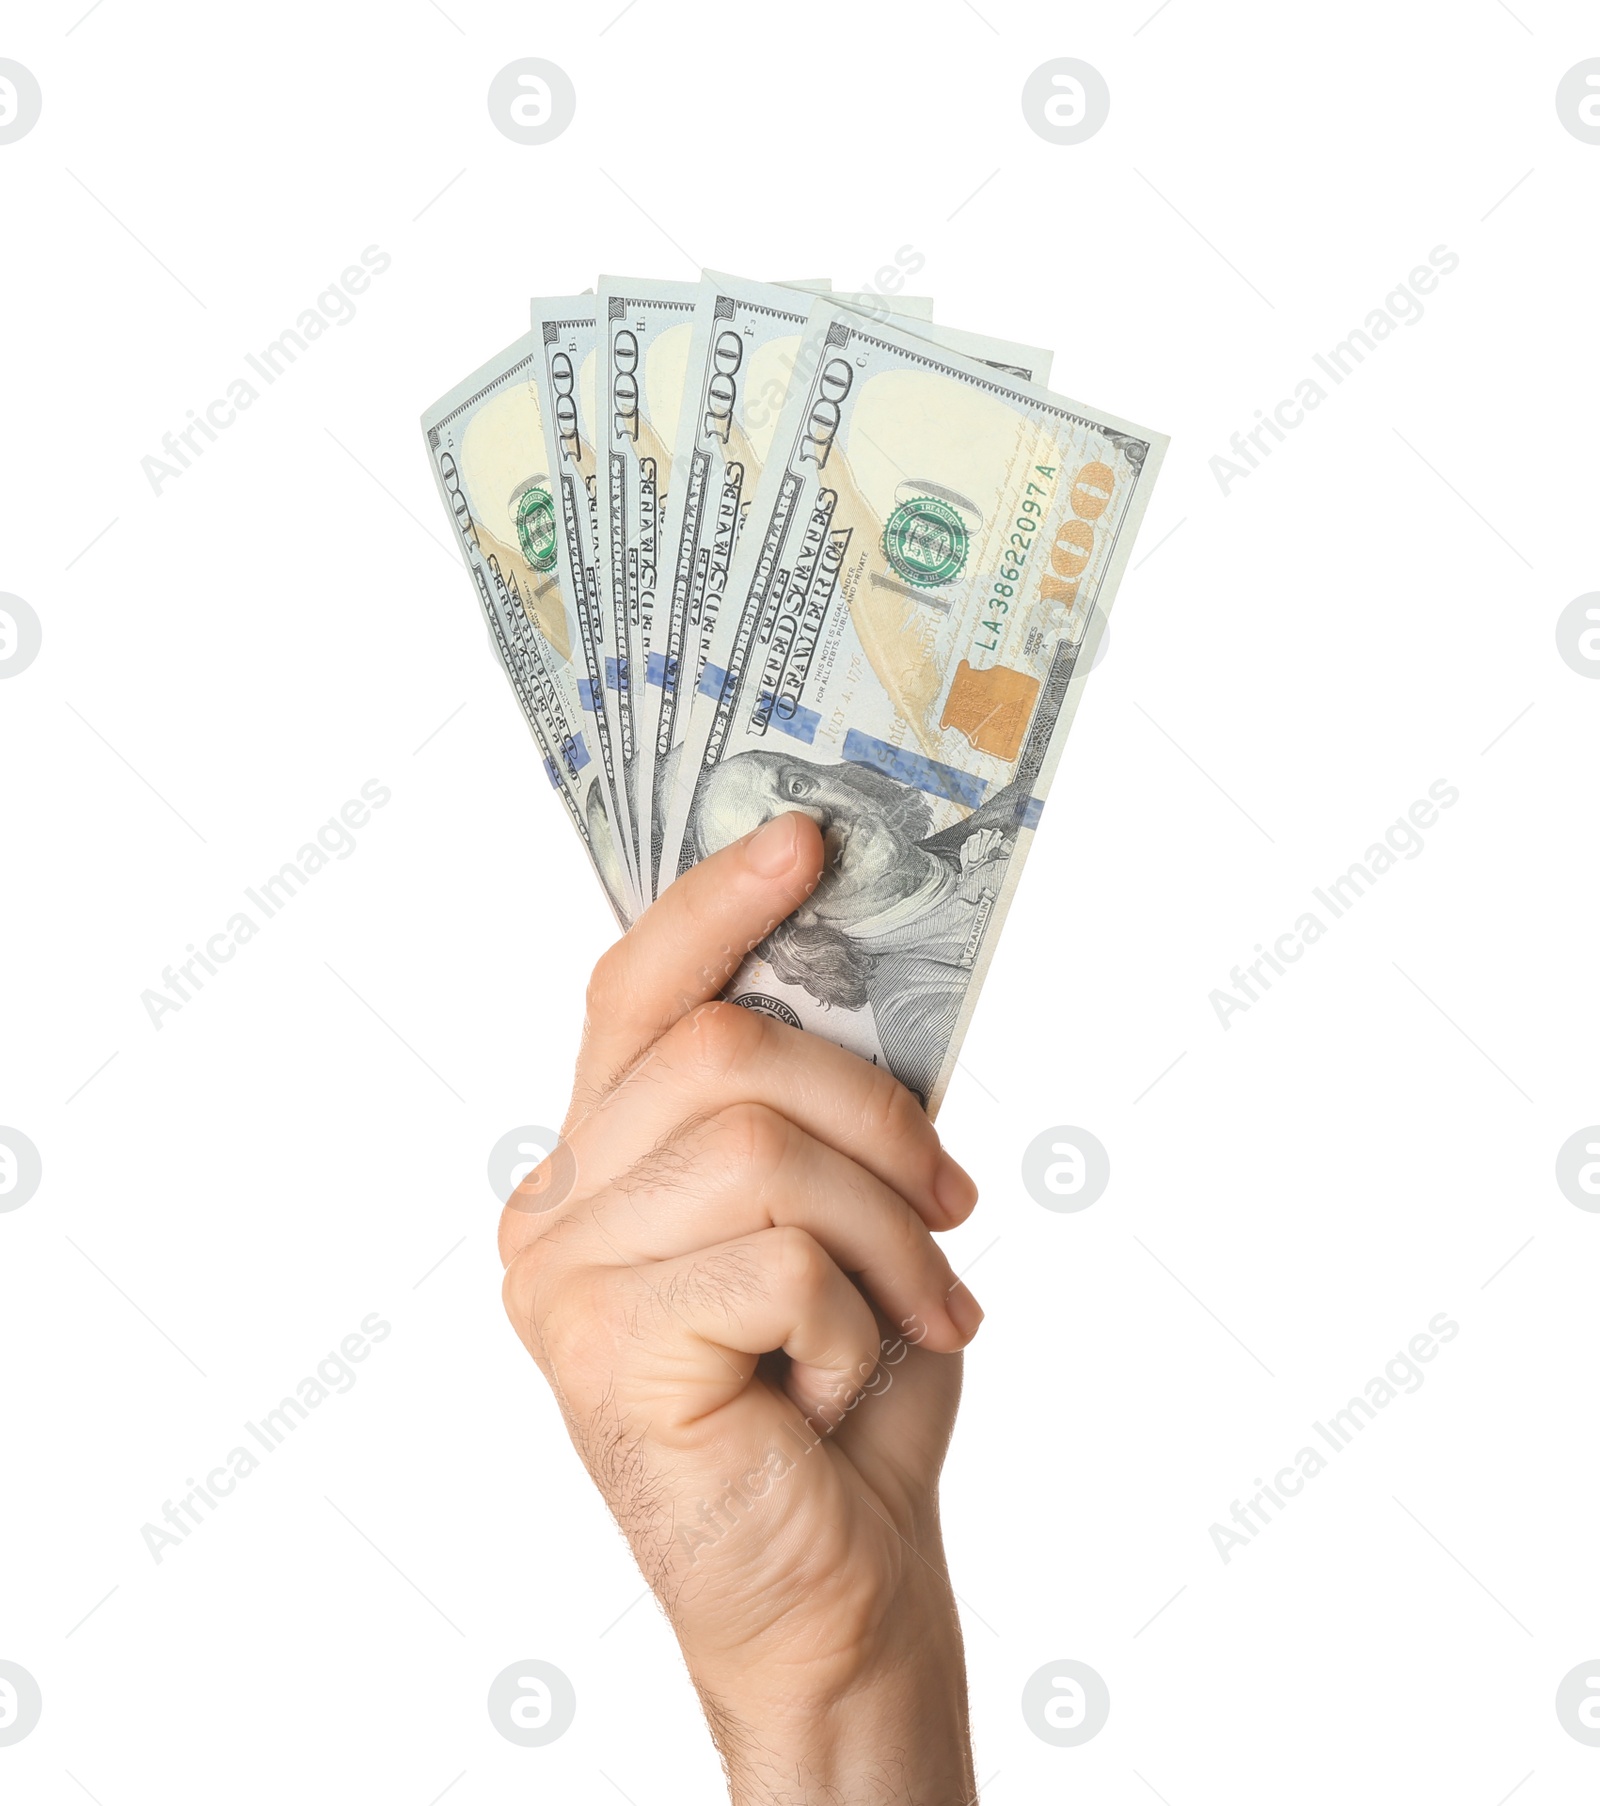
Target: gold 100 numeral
[1073, 546]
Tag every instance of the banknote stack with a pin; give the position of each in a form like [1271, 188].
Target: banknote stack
[747, 547]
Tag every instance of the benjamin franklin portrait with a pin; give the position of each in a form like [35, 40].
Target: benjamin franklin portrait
[899, 917]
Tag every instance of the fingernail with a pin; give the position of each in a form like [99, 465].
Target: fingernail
[965, 1311]
[770, 849]
[954, 1187]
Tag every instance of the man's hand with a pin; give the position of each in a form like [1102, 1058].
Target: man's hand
[726, 1273]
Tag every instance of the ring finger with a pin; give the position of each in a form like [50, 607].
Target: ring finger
[749, 1168]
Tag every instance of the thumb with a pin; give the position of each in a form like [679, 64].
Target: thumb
[687, 945]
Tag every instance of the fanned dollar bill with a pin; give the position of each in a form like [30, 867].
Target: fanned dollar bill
[565, 376]
[742, 549]
[743, 344]
[881, 307]
[912, 307]
[646, 329]
[645, 332]
[746, 338]
[486, 445]
[929, 558]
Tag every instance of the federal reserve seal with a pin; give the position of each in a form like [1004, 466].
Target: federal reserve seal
[536, 528]
[774, 1007]
[926, 542]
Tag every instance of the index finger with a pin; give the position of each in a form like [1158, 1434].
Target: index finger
[689, 943]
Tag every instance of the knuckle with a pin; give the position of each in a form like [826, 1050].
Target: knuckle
[526, 1263]
[519, 1292]
[533, 1211]
[756, 1140]
[558, 1314]
[511, 1236]
[798, 1260]
[716, 1038]
[535, 1263]
[608, 985]
[889, 1112]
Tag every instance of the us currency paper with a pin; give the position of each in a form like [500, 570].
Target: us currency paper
[913, 307]
[486, 445]
[746, 339]
[645, 331]
[883, 307]
[930, 555]
[565, 377]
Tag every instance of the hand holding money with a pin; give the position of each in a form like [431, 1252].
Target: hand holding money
[744, 548]
[726, 1272]
[796, 599]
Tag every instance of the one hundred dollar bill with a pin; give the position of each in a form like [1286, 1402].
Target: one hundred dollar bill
[913, 307]
[645, 329]
[565, 377]
[909, 617]
[885, 307]
[743, 344]
[746, 338]
[487, 449]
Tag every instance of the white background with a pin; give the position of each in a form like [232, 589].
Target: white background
[305, 1142]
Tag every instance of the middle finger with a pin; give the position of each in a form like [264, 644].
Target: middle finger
[748, 1169]
[722, 1055]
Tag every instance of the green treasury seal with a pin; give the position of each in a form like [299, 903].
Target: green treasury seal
[926, 542]
[536, 528]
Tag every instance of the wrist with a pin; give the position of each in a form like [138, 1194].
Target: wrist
[885, 1725]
